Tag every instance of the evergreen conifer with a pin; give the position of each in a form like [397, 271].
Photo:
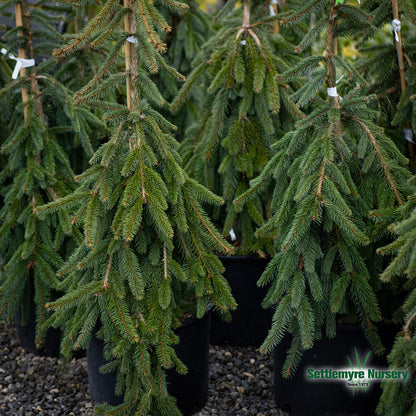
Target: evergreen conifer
[328, 173]
[391, 71]
[398, 398]
[37, 169]
[147, 251]
[244, 110]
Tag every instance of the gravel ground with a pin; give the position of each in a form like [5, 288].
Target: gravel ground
[32, 385]
[239, 384]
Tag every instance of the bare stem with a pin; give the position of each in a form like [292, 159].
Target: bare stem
[22, 55]
[34, 85]
[400, 61]
[330, 52]
[130, 26]
[127, 27]
[276, 22]
[246, 15]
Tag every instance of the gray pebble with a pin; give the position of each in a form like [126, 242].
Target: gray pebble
[240, 383]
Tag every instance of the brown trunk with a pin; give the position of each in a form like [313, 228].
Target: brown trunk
[400, 61]
[276, 22]
[246, 15]
[22, 55]
[22, 19]
[330, 52]
[130, 26]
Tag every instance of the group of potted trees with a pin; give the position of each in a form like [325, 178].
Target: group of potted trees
[286, 153]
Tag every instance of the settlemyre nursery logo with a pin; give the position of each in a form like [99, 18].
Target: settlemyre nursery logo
[358, 375]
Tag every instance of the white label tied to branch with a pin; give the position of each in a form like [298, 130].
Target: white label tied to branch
[332, 92]
[271, 8]
[132, 39]
[408, 135]
[396, 28]
[232, 235]
[20, 63]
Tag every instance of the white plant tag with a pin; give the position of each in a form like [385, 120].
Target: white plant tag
[232, 235]
[20, 63]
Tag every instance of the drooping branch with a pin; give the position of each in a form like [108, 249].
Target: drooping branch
[381, 158]
[406, 329]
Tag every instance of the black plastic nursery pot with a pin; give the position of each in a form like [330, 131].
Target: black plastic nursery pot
[190, 390]
[307, 395]
[27, 334]
[101, 386]
[250, 322]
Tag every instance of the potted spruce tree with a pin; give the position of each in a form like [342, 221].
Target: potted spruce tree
[328, 174]
[243, 111]
[36, 171]
[146, 260]
[399, 398]
[397, 99]
[386, 61]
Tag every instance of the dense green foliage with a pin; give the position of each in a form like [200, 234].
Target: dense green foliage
[393, 83]
[190, 30]
[310, 178]
[328, 174]
[390, 67]
[39, 116]
[398, 398]
[147, 251]
[244, 110]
